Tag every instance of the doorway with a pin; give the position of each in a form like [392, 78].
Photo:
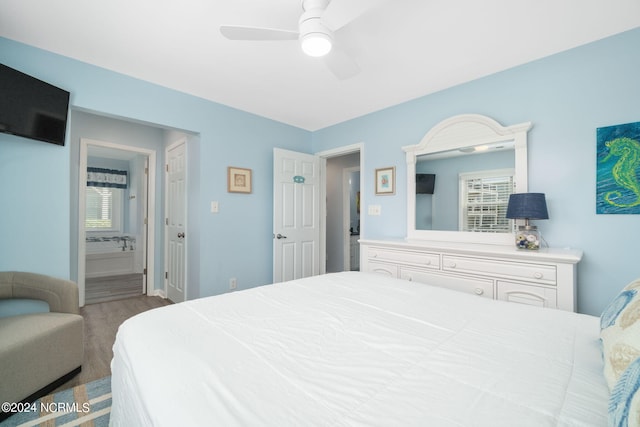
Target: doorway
[334, 234]
[342, 197]
[115, 226]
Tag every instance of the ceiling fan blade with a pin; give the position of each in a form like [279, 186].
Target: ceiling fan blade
[340, 12]
[341, 65]
[233, 32]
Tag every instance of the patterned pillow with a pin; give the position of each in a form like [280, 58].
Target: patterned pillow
[624, 402]
[620, 332]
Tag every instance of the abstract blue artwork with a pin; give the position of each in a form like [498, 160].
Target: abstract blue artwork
[618, 168]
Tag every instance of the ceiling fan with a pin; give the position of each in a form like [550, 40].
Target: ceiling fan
[319, 21]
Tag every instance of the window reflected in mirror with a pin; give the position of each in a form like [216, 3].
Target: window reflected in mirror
[484, 197]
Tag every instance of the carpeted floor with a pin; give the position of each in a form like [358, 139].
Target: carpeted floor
[86, 404]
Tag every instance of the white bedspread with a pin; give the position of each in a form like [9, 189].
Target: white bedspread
[354, 349]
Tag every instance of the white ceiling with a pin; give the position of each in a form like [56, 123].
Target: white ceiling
[405, 48]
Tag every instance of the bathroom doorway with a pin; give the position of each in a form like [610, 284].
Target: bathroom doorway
[342, 214]
[114, 249]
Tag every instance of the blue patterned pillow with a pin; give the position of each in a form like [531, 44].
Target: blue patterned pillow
[624, 408]
[615, 307]
[620, 333]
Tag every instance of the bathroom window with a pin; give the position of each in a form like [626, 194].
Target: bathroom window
[103, 209]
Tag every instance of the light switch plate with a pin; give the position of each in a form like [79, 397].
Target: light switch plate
[374, 210]
[214, 206]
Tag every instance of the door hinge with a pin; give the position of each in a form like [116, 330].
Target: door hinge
[144, 271]
[145, 221]
[167, 167]
[146, 171]
[166, 274]
[166, 221]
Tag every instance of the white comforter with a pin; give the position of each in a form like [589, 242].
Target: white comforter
[353, 349]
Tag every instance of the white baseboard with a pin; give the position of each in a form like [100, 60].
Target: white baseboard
[157, 293]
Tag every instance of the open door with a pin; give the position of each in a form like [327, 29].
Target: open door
[296, 215]
[176, 210]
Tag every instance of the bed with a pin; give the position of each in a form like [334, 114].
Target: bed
[358, 349]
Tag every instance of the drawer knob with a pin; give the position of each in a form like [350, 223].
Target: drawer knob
[538, 275]
[409, 278]
[427, 262]
[479, 291]
[452, 265]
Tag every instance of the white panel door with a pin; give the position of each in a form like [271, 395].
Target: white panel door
[296, 215]
[176, 227]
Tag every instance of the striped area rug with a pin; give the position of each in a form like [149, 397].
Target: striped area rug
[85, 405]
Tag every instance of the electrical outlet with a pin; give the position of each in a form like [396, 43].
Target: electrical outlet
[233, 283]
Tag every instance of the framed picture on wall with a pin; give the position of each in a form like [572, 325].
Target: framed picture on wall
[238, 180]
[618, 151]
[386, 181]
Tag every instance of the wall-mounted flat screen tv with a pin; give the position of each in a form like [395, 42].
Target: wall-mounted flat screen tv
[425, 182]
[32, 108]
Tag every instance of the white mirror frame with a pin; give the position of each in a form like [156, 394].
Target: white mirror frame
[459, 132]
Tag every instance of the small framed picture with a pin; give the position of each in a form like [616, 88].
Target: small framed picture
[386, 181]
[238, 180]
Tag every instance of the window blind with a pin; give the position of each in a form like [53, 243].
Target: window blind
[484, 200]
[102, 210]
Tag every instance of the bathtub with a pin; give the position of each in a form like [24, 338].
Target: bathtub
[108, 256]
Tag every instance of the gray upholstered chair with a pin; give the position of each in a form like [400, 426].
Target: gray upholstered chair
[41, 335]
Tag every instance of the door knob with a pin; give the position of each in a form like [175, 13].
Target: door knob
[280, 236]
[180, 235]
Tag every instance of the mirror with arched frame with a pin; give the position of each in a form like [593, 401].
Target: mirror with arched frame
[465, 134]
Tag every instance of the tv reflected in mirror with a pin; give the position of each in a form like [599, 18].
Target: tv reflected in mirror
[425, 183]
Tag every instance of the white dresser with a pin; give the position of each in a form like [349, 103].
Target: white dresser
[544, 278]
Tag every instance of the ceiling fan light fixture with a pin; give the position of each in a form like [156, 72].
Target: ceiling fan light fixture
[316, 44]
[315, 38]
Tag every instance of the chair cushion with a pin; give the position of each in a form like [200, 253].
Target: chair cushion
[36, 350]
[17, 306]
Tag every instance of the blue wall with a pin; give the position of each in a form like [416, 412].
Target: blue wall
[566, 97]
[35, 218]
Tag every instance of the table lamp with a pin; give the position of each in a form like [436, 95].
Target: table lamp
[527, 206]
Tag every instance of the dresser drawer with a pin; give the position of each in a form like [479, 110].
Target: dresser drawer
[421, 259]
[527, 294]
[471, 285]
[390, 270]
[538, 273]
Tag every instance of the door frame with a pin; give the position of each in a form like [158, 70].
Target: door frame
[150, 202]
[346, 215]
[324, 155]
[177, 142]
